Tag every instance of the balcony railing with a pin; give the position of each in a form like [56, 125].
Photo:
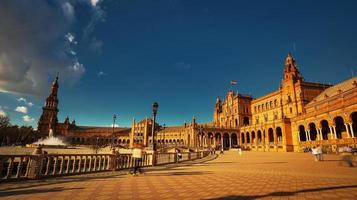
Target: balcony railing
[49, 165]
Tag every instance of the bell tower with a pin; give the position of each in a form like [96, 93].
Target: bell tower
[290, 88]
[49, 111]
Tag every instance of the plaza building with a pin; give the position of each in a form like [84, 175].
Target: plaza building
[299, 114]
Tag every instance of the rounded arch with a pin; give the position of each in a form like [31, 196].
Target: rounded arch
[313, 131]
[259, 135]
[325, 129]
[340, 126]
[271, 135]
[234, 139]
[302, 133]
[226, 143]
[253, 137]
[248, 138]
[210, 138]
[279, 134]
[242, 138]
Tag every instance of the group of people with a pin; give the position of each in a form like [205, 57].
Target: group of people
[317, 152]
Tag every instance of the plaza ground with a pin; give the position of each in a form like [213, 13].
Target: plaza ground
[253, 175]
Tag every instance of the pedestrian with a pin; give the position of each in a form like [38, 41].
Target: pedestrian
[222, 152]
[239, 150]
[319, 153]
[178, 155]
[314, 153]
[347, 156]
[137, 156]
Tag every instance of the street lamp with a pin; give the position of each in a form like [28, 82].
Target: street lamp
[114, 118]
[155, 107]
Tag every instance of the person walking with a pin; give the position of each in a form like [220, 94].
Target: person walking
[239, 150]
[319, 153]
[314, 153]
[137, 156]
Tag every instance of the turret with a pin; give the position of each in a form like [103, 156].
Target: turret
[291, 71]
[49, 111]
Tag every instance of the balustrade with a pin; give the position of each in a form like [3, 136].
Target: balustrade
[48, 165]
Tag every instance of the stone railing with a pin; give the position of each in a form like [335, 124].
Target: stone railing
[39, 165]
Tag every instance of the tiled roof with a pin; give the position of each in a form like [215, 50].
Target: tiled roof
[335, 90]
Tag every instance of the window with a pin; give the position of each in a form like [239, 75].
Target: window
[291, 110]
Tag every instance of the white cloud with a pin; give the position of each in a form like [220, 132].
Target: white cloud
[27, 118]
[78, 68]
[70, 38]
[101, 73]
[94, 2]
[23, 100]
[38, 47]
[2, 113]
[115, 125]
[21, 109]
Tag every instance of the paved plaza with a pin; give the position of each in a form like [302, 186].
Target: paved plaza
[253, 175]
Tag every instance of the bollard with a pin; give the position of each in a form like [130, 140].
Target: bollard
[36, 163]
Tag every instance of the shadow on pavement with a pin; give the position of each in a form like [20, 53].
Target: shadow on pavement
[33, 191]
[178, 173]
[53, 181]
[283, 193]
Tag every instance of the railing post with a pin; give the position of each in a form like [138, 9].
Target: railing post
[189, 155]
[112, 161]
[154, 158]
[36, 164]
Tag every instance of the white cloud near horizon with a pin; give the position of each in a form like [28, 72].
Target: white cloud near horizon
[27, 118]
[21, 109]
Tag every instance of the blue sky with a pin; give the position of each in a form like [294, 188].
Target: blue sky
[121, 56]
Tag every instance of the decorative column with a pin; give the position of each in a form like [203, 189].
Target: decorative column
[306, 135]
[331, 132]
[352, 133]
[348, 130]
[230, 141]
[334, 131]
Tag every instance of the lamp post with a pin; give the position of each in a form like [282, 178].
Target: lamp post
[155, 107]
[114, 118]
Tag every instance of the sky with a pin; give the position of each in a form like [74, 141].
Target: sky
[119, 56]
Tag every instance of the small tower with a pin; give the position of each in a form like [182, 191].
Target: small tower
[217, 111]
[49, 111]
[290, 84]
[291, 71]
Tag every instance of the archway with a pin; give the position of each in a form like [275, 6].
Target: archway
[253, 137]
[218, 139]
[242, 138]
[248, 138]
[325, 129]
[271, 136]
[210, 139]
[279, 134]
[259, 133]
[234, 139]
[313, 131]
[302, 133]
[340, 127]
[226, 141]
